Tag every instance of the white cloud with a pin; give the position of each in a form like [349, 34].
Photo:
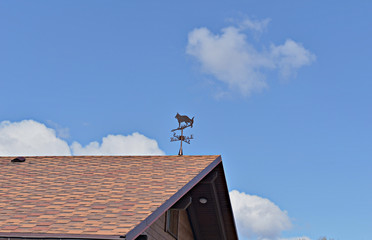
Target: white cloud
[62, 132]
[233, 60]
[291, 56]
[135, 144]
[229, 57]
[31, 138]
[258, 218]
[255, 25]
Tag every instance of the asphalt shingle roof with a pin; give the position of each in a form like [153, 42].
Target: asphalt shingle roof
[100, 195]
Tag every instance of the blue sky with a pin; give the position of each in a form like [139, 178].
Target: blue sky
[281, 89]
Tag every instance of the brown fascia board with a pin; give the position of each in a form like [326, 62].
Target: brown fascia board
[140, 228]
[229, 201]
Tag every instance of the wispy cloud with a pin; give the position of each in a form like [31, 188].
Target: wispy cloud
[233, 60]
[258, 218]
[62, 132]
[296, 238]
[290, 56]
[31, 138]
[258, 26]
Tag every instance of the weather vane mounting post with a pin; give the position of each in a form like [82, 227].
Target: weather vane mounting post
[188, 122]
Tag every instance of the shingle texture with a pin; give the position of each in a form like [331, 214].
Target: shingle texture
[103, 195]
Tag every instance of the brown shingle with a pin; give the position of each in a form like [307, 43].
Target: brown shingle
[89, 194]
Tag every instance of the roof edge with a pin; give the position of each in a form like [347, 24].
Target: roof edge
[136, 231]
[229, 200]
[56, 236]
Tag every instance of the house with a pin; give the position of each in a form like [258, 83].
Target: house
[115, 197]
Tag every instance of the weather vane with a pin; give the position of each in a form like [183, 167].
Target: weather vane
[188, 122]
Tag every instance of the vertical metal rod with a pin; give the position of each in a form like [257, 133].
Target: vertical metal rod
[180, 153]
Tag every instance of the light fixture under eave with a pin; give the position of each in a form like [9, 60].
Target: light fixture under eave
[203, 200]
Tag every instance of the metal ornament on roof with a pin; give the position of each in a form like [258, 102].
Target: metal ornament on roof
[183, 122]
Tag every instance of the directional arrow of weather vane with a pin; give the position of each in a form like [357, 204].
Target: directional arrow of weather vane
[183, 122]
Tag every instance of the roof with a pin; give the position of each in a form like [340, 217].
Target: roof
[104, 196]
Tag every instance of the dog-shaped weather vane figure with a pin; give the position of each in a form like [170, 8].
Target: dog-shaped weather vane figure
[183, 122]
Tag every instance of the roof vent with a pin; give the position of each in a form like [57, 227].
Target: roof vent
[19, 159]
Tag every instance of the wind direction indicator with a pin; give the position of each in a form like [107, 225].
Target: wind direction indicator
[183, 122]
